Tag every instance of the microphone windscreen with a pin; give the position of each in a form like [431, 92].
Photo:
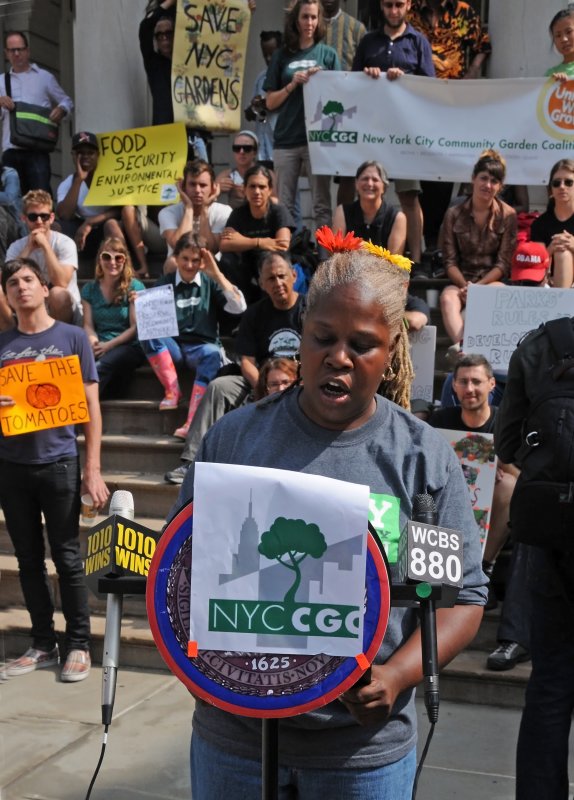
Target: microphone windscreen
[423, 503]
[122, 503]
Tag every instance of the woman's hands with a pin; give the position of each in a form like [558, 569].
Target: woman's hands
[372, 703]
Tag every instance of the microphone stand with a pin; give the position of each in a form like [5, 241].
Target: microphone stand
[114, 588]
[270, 759]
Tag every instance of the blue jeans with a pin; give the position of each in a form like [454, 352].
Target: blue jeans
[117, 366]
[27, 491]
[205, 359]
[33, 168]
[217, 774]
[542, 753]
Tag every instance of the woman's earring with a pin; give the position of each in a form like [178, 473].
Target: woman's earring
[389, 374]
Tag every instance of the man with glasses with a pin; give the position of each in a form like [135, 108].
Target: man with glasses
[398, 49]
[30, 84]
[54, 252]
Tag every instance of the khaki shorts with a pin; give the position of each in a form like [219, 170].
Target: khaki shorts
[407, 186]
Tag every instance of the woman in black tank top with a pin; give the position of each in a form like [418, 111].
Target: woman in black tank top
[369, 216]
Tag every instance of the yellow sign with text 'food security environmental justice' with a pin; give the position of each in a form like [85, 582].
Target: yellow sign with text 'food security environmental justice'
[139, 166]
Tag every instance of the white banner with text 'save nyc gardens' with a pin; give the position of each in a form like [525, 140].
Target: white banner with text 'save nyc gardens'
[431, 129]
[279, 561]
[497, 317]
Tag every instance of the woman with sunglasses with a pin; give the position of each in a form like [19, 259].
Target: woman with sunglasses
[109, 316]
[477, 239]
[230, 181]
[555, 228]
[257, 226]
[303, 55]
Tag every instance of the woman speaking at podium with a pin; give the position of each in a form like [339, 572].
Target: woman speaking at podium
[335, 424]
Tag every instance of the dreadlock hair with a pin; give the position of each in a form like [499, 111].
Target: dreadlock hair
[387, 285]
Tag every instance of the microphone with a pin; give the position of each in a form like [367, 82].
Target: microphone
[122, 503]
[425, 512]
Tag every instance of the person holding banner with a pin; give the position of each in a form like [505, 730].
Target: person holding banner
[201, 293]
[477, 239]
[156, 34]
[88, 224]
[562, 34]
[395, 49]
[40, 472]
[302, 55]
[555, 228]
[334, 424]
[109, 316]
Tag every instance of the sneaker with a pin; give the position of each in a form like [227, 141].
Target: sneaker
[506, 656]
[420, 270]
[178, 474]
[31, 660]
[76, 667]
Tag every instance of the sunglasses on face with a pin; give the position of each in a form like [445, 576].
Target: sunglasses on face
[243, 148]
[557, 182]
[163, 35]
[119, 258]
[16, 49]
[33, 217]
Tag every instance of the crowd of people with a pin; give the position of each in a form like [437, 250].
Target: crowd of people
[319, 358]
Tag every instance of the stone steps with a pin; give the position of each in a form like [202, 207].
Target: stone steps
[147, 454]
[137, 449]
[465, 679]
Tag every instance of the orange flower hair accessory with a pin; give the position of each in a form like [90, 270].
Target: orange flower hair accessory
[400, 261]
[336, 242]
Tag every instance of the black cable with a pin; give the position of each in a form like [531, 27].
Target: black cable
[99, 764]
[421, 762]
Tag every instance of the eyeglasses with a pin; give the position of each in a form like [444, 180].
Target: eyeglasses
[119, 258]
[16, 49]
[243, 148]
[557, 182]
[163, 35]
[33, 217]
[279, 384]
[476, 382]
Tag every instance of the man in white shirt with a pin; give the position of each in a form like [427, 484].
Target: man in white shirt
[52, 251]
[196, 213]
[30, 84]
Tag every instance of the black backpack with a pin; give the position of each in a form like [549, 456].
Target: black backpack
[542, 506]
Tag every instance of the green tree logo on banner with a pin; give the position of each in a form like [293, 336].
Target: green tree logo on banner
[290, 541]
[332, 109]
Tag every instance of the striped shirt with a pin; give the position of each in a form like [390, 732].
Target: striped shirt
[344, 33]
